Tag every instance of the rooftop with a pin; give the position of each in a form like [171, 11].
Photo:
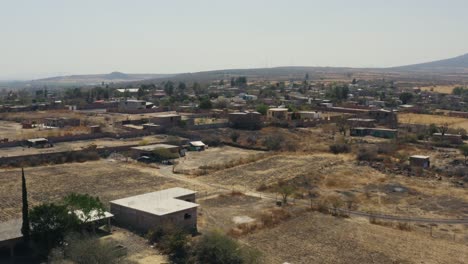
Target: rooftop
[10, 229]
[130, 90]
[32, 140]
[419, 157]
[155, 146]
[159, 203]
[93, 216]
[197, 143]
[167, 115]
[278, 109]
[362, 119]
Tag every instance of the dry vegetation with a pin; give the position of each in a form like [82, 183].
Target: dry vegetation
[106, 179]
[445, 89]
[363, 188]
[317, 238]
[453, 122]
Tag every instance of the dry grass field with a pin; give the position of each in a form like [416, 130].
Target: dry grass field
[318, 238]
[107, 179]
[445, 89]
[453, 122]
[212, 157]
[338, 175]
[14, 131]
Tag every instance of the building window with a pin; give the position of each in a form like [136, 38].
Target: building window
[187, 216]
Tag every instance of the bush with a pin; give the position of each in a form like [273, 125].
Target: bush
[234, 136]
[273, 142]
[87, 249]
[386, 148]
[367, 154]
[164, 154]
[215, 247]
[214, 141]
[252, 140]
[340, 148]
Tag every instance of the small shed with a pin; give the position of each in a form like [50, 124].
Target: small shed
[197, 146]
[38, 143]
[420, 161]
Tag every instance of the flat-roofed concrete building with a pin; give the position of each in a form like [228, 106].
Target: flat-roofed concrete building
[150, 211]
[126, 105]
[167, 120]
[450, 138]
[278, 114]
[246, 120]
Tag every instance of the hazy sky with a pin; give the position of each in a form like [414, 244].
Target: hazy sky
[49, 37]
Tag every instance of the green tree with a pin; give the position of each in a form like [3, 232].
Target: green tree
[285, 190]
[197, 89]
[169, 88]
[443, 129]
[262, 109]
[215, 248]
[205, 103]
[406, 97]
[25, 227]
[234, 136]
[90, 206]
[141, 93]
[464, 152]
[49, 225]
[176, 244]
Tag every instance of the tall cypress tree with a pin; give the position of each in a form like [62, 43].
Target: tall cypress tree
[25, 228]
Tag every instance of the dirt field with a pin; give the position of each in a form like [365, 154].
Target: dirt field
[317, 238]
[453, 122]
[212, 157]
[221, 211]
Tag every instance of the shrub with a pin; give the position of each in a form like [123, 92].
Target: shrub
[214, 141]
[386, 148]
[273, 142]
[367, 154]
[234, 136]
[86, 249]
[215, 247]
[340, 148]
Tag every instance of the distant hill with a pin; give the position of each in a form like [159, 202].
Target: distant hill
[447, 69]
[114, 77]
[455, 65]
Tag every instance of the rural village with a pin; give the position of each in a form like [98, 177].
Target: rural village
[353, 166]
